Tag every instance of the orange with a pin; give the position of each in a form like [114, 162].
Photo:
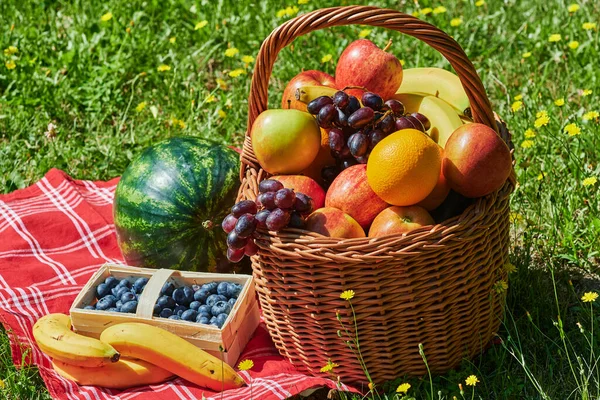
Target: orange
[404, 167]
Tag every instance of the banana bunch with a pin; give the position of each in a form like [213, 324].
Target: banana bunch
[128, 355]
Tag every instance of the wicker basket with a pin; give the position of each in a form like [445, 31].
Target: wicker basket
[434, 285]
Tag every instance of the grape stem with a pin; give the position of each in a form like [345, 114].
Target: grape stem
[388, 45]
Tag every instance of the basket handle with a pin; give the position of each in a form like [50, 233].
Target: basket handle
[373, 16]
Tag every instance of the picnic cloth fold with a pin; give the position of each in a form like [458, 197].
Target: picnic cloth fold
[53, 236]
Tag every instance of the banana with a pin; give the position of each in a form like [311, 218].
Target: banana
[444, 119]
[306, 94]
[120, 375]
[54, 337]
[180, 357]
[435, 82]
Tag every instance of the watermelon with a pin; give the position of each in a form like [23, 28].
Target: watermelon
[170, 202]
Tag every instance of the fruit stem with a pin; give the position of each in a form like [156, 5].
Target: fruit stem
[388, 45]
[355, 87]
[208, 225]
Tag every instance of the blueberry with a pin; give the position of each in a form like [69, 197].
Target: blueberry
[103, 304]
[211, 287]
[139, 284]
[119, 304]
[113, 309]
[195, 305]
[157, 309]
[223, 288]
[183, 295]
[89, 308]
[234, 290]
[120, 291]
[126, 297]
[220, 320]
[102, 290]
[111, 299]
[213, 321]
[204, 309]
[201, 295]
[166, 313]
[232, 301]
[221, 307]
[124, 283]
[174, 317]
[129, 307]
[202, 319]
[167, 289]
[207, 315]
[189, 315]
[166, 302]
[195, 288]
[179, 310]
[111, 281]
[214, 298]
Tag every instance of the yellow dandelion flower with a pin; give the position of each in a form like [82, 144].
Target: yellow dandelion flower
[559, 102]
[541, 121]
[288, 11]
[210, 99]
[519, 97]
[371, 386]
[222, 114]
[415, 13]
[479, 3]
[556, 37]
[10, 50]
[527, 54]
[515, 217]
[572, 129]
[106, 17]
[402, 62]
[237, 72]
[222, 84]
[573, 44]
[590, 115]
[530, 133]
[439, 10]
[589, 297]
[510, 267]
[500, 287]
[456, 21]
[588, 26]
[172, 39]
[516, 106]
[178, 122]
[228, 103]
[248, 59]
[280, 13]
[326, 58]
[347, 294]
[231, 52]
[403, 388]
[2, 384]
[10, 64]
[573, 8]
[163, 68]
[329, 366]
[364, 33]
[245, 365]
[527, 144]
[426, 11]
[140, 107]
[303, 1]
[590, 181]
[200, 25]
[542, 113]
[472, 380]
[540, 176]
[586, 92]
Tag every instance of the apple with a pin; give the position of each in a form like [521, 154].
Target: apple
[332, 222]
[364, 64]
[454, 204]
[305, 78]
[285, 141]
[476, 160]
[438, 194]
[398, 220]
[323, 159]
[351, 193]
[303, 184]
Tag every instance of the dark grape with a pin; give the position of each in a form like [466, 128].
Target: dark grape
[246, 225]
[336, 140]
[235, 255]
[236, 242]
[353, 105]
[261, 218]
[269, 185]
[341, 99]
[388, 124]
[317, 104]
[396, 107]
[375, 137]
[326, 116]
[363, 159]
[229, 223]
[378, 115]
[285, 198]
[358, 144]
[303, 204]
[361, 118]
[341, 119]
[347, 163]
[423, 119]
[329, 173]
[251, 248]
[372, 100]
[243, 207]
[344, 153]
[296, 221]
[267, 200]
[416, 123]
[403, 123]
[278, 219]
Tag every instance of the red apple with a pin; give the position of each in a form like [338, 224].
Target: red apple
[322, 160]
[476, 160]
[305, 78]
[438, 194]
[399, 220]
[351, 193]
[332, 222]
[304, 184]
[364, 64]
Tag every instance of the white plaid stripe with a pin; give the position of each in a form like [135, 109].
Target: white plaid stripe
[107, 194]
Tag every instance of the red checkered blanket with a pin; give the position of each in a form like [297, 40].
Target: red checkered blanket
[53, 236]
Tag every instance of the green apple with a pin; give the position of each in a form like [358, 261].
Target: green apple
[285, 141]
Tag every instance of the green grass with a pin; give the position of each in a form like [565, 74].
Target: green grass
[88, 78]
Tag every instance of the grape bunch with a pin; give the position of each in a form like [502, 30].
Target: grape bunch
[275, 208]
[354, 130]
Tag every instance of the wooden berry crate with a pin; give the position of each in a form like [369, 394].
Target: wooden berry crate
[226, 343]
